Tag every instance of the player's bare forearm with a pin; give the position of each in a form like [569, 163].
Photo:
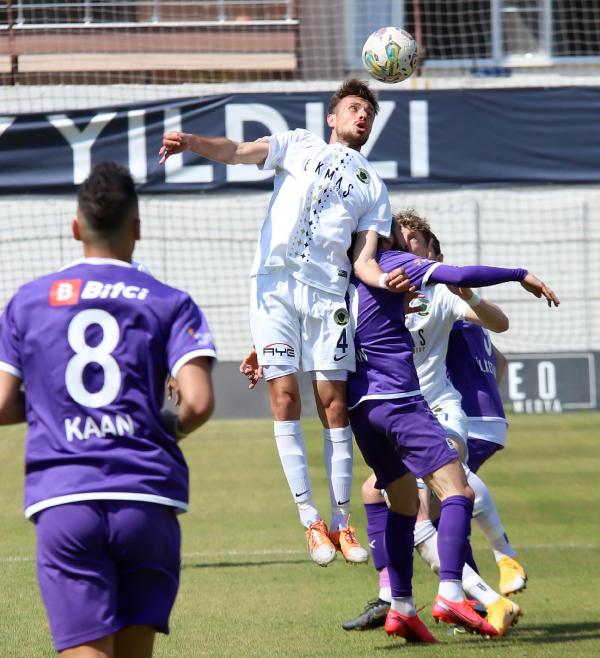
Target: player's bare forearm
[367, 268]
[196, 392]
[12, 400]
[488, 315]
[219, 149]
[538, 288]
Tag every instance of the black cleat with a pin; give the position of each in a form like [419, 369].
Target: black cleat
[373, 616]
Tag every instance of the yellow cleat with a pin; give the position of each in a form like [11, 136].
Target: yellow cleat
[513, 578]
[503, 614]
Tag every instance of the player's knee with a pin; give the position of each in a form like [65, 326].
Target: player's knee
[285, 405]
[469, 493]
[369, 494]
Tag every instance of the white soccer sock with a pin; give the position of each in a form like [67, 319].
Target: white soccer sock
[474, 585]
[487, 518]
[451, 590]
[337, 455]
[426, 544]
[405, 605]
[292, 453]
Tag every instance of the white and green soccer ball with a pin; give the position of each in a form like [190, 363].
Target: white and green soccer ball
[390, 54]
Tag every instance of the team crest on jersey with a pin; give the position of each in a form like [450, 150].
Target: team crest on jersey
[341, 317]
[423, 304]
[363, 175]
[64, 292]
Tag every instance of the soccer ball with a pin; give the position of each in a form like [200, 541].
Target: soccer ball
[390, 54]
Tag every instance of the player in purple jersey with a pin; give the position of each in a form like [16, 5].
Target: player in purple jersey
[326, 198]
[93, 344]
[400, 438]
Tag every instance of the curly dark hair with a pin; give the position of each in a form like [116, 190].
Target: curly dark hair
[409, 218]
[353, 87]
[107, 198]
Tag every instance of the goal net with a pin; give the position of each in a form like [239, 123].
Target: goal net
[60, 56]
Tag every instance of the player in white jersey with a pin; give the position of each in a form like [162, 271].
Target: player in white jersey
[326, 197]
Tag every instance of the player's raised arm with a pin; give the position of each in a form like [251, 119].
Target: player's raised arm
[367, 268]
[475, 276]
[538, 288]
[12, 399]
[482, 312]
[220, 149]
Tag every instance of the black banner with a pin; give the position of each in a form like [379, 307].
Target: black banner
[421, 138]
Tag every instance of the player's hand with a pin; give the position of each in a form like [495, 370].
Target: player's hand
[173, 392]
[412, 303]
[398, 281]
[173, 142]
[250, 368]
[463, 293]
[538, 288]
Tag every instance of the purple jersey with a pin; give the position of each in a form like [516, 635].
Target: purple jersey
[471, 365]
[384, 347]
[94, 343]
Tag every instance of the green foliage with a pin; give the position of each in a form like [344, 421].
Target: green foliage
[248, 587]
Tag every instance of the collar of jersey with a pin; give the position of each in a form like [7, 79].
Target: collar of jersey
[97, 261]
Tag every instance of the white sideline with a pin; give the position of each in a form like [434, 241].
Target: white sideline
[292, 551]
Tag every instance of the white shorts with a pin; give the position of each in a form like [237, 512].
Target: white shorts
[454, 421]
[488, 430]
[297, 325]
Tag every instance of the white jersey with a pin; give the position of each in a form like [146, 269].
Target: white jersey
[430, 330]
[323, 194]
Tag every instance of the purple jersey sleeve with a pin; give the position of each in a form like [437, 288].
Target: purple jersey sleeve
[476, 276]
[10, 359]
[190, 337]
[419, 270]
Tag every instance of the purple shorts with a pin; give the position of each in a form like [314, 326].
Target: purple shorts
[103, 565]
[400, 436]
[480, 451]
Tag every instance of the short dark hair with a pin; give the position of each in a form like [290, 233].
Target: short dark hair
[353, 87]
[410, 219]
[435, 245]
[107, 198]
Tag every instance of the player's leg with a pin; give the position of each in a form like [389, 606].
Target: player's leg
[450, 485]
[78, 579]
[330, 395]
[276, 334]
[134, 642]
[376, 511]
[327, 352]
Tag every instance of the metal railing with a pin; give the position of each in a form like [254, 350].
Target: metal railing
[28, 14]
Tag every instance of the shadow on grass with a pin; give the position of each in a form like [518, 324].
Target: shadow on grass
[227, 565]
[530, 634]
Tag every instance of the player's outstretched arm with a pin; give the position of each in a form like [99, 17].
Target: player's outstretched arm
[250, 368]
[481, 312]
[196, 394]
[538, 288]
[12, 399]
[366, 267]
[220, 149]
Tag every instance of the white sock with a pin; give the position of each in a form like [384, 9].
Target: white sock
[405, 605]
[451, 590]
[292, 453]
[487, 518]
[337, 455]
[385, 594]
[476, 588]
[426, 544]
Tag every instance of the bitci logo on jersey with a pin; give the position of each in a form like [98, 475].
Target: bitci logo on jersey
[65, 292]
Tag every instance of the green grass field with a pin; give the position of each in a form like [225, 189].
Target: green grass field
[248, 587]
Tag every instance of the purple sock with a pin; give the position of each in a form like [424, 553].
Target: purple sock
[453, 536]
[377, 514]
[399, 540]
[469, 558]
